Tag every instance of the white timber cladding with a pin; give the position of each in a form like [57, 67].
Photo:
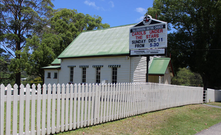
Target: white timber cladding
[123, 72]
[51, 80]
[129, 69]
[138, 69]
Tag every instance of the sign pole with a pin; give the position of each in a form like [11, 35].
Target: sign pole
[147, 59]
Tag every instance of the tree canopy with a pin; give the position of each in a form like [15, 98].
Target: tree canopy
[19, 20]
[196, 38]
[68, 24]
[63, 27]
[34, 34]
[187, 78]
[4, 62]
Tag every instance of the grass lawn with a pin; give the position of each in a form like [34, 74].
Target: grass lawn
[215, 103]
[185, 120]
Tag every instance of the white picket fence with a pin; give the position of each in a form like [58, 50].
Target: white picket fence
[66, 107]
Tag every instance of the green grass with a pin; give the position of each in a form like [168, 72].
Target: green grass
[215, 103]
[185, 120]
[181, 120]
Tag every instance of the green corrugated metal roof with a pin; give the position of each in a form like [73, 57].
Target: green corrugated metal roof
[159, 66]
[110, 41]
[52, 67]
[56, 61]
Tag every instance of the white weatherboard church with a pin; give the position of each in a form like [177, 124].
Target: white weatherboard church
[103, 56]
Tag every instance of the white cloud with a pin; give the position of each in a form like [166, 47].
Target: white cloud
[141, 10]
[139, 19]
[87, 2]
[111, 3]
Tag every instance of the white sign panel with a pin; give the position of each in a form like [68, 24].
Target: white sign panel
[148, 37]
[148, 52]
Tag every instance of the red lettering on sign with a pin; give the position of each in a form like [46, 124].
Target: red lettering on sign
[156, 31]
[139, 33]
[138, 37]
[152, 36]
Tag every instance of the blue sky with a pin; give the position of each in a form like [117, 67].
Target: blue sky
[113, 12]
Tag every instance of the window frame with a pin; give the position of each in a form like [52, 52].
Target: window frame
[49, 75]
[114, 75]
[55, 75]
[84, 75]
[98, 75]
[71, 75]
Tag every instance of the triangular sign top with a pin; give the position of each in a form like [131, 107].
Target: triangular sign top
[148, 20]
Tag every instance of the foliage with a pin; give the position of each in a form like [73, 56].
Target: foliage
[68, 24]
[187, 78]
[19, 20]
[39, 53]
[34, 34]
[64, 26]
[36, 81]
[196, 37]
[4, 73]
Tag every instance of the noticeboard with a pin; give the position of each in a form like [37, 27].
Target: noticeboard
[148, 37]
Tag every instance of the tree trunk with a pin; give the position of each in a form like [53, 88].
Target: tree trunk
[205, 82]
[18, 75]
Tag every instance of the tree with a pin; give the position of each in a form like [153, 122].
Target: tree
[39, 52]
[19, 20]
[187, 78]
[196, 37]
[63, 27]
[4, 73]
[68, 24]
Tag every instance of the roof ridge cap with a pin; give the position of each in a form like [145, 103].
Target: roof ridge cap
[107, 28]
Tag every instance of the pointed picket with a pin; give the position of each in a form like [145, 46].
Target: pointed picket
[101, 100]
[15, 110]
[27, 109]
[89, 105]
[43, 121]
[71, 107]
[38, 109]
[93, 105]
[33, 99]
[53, 109]
[58, 127]
[85, 107]
[78, 106]
[75, 104]
[21, 110]
[8, 110]
[82, 105]
[62, 107]
[105, 102]
[49, 110]
[2, 108]
[67, 106]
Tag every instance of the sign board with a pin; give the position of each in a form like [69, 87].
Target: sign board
[148, 52]
[148, 37]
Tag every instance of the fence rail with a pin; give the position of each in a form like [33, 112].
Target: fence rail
[57, 108]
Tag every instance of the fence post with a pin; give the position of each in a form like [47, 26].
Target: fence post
[2, 90]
